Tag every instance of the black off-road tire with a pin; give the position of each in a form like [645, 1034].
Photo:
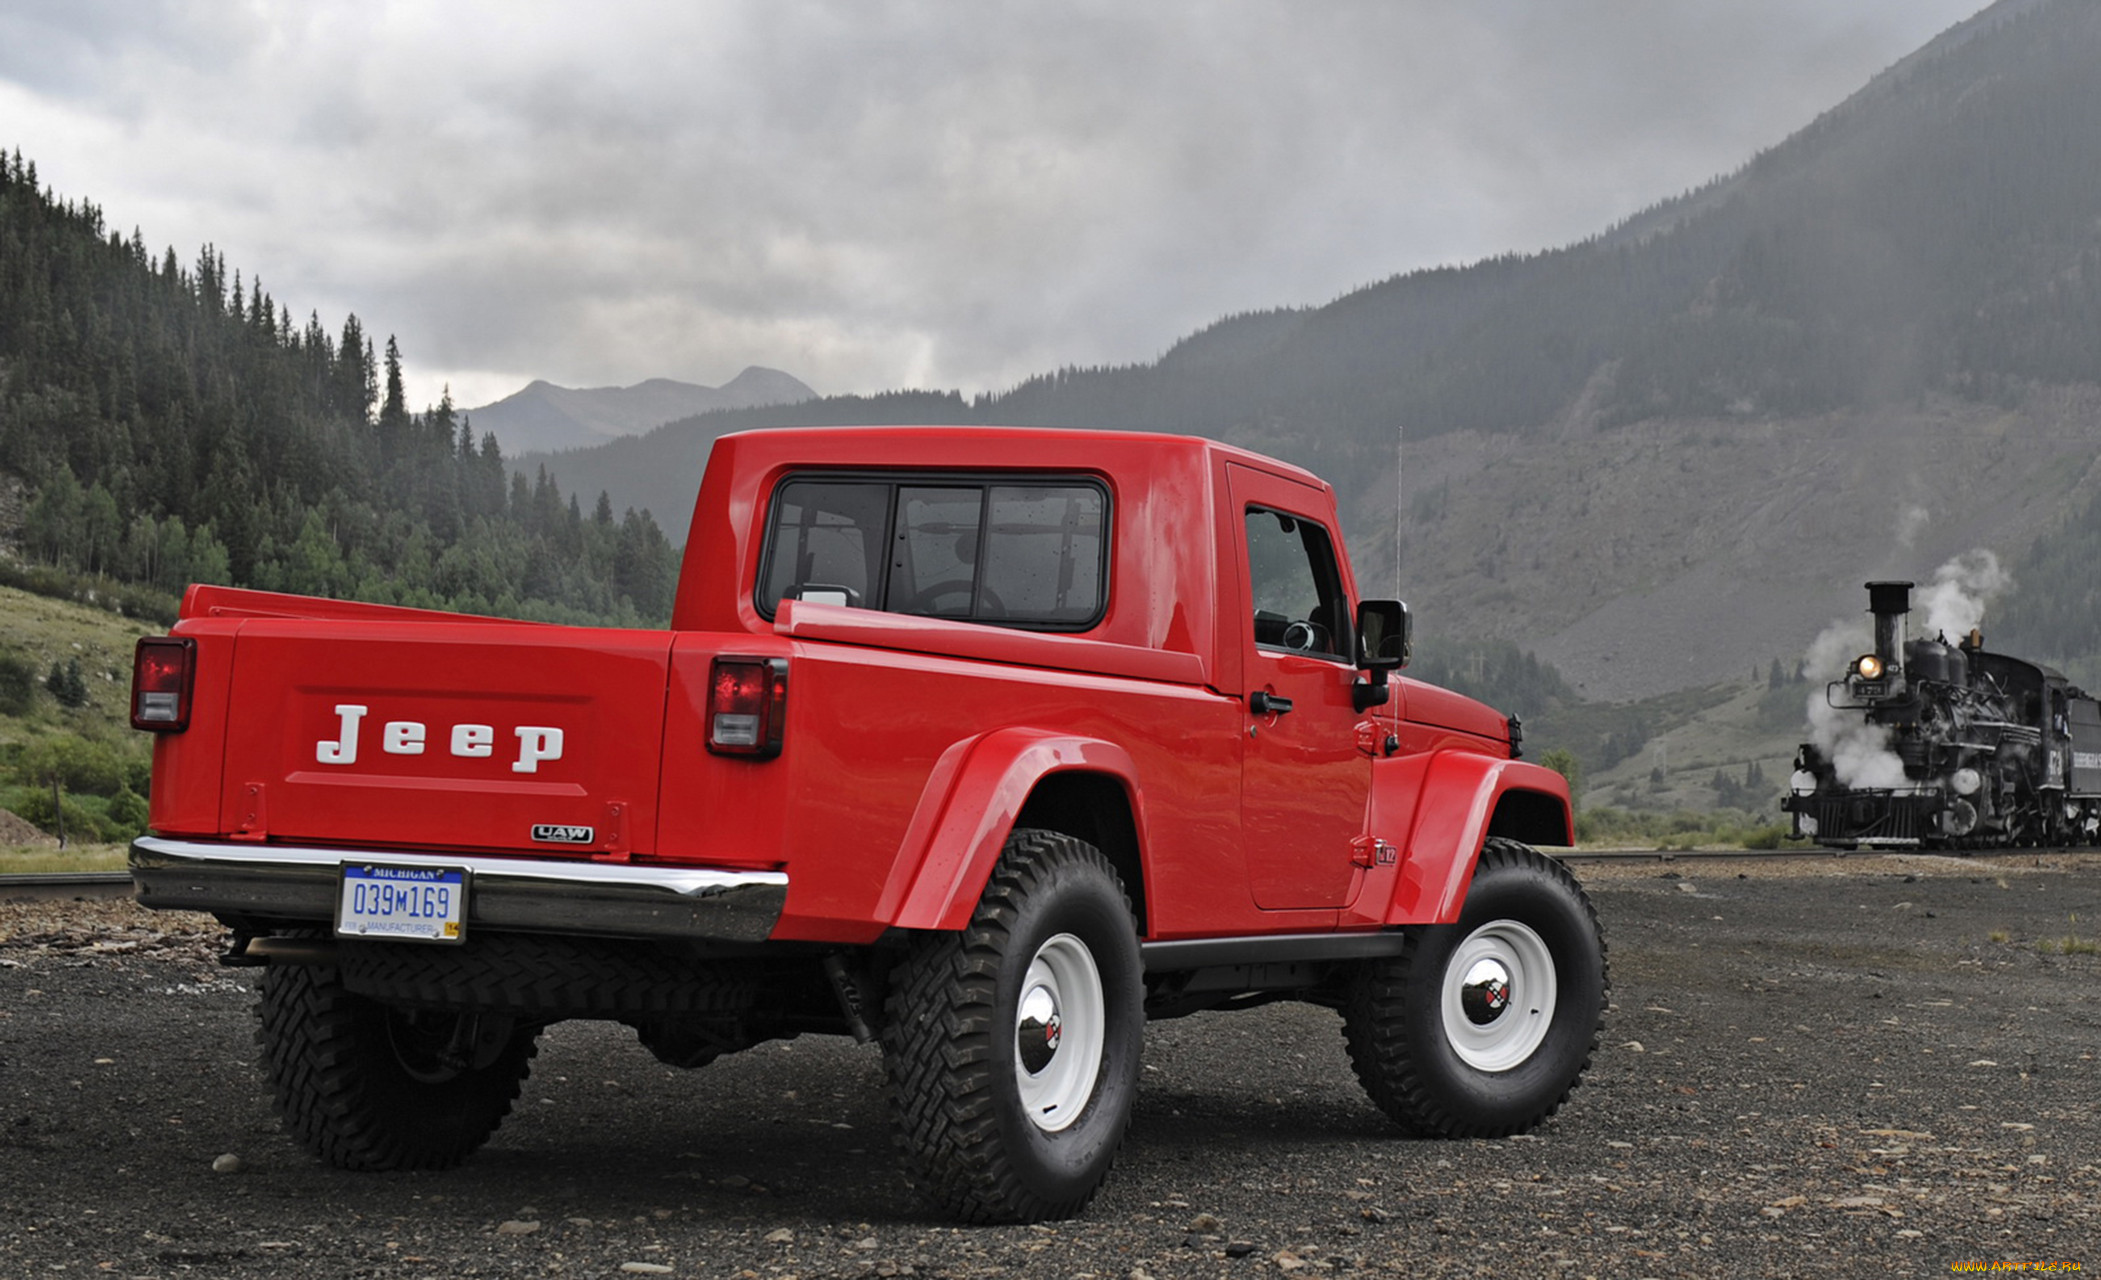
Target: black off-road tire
[368, 1086]
[1443, 1057]
[998, 1118]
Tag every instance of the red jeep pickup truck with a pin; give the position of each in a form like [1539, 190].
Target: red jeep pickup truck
[985, 744]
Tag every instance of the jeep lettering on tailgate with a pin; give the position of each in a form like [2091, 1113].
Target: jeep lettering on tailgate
[981, 746]
[536, 743]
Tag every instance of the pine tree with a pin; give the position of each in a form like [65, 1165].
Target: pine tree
[17, 686]
[67, 684]
[393, 410]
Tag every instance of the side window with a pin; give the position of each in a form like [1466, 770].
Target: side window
[1043, 555]
[826, 542]
[1030, 555]
[934, 569]
[1296, 588]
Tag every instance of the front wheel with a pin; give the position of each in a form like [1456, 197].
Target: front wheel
[366, 1085]
[1013, 1047]
[1481, 1029]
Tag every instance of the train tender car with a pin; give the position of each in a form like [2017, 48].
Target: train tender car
[1995, 751]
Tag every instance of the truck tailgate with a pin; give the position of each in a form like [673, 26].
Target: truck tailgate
[516, 737]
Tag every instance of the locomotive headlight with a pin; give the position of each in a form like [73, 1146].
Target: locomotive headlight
[1869, 667]
[1966, 781]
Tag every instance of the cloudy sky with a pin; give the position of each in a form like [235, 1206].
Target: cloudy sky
[872, 194]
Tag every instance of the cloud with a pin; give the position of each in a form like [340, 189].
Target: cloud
[891, 193]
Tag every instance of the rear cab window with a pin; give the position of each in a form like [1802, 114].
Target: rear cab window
[1016, 551]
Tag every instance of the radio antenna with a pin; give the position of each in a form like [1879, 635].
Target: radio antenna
[1400, 507]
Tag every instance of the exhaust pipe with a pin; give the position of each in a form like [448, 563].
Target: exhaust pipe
[1889, 602]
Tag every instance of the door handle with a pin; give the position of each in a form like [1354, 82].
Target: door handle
[1266, 704]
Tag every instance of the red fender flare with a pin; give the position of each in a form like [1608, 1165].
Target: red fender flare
[1460, 791]
[968, 807]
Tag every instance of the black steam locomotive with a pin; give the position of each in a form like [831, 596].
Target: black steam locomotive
[1972, 749]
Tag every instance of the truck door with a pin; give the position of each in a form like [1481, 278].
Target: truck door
[1305, 783]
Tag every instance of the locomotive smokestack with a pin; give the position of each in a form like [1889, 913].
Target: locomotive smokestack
[1889, 602]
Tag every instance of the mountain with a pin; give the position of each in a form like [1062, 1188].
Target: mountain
[1670, 454]
[544, 417]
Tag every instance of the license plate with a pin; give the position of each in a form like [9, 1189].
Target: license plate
[408, 904]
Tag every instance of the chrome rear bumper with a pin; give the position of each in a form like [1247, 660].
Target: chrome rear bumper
[526, 895]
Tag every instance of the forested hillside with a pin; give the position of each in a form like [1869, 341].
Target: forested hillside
[2058, 615]
[163, 424]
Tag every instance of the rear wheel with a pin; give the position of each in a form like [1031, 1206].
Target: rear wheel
[1013, 1046]
[365, 1085]
[1481, 1028]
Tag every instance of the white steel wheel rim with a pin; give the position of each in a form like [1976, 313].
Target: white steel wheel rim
[1500, 991]
[1059, 1024]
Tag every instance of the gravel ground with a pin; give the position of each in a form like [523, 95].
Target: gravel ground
[1838, 1067]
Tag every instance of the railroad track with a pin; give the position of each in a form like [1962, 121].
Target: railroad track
[1795, 855]
[50, 885]
[1699, 855]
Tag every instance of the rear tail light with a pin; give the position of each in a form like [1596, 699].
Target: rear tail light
[747, 706]
[163, 669]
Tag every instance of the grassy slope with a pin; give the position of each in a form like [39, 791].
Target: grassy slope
[29, 859]
[42, 631]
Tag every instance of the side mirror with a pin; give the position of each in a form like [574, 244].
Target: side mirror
[1385, 637]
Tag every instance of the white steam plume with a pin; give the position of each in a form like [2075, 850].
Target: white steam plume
[1859, 752]
[1954, 601]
